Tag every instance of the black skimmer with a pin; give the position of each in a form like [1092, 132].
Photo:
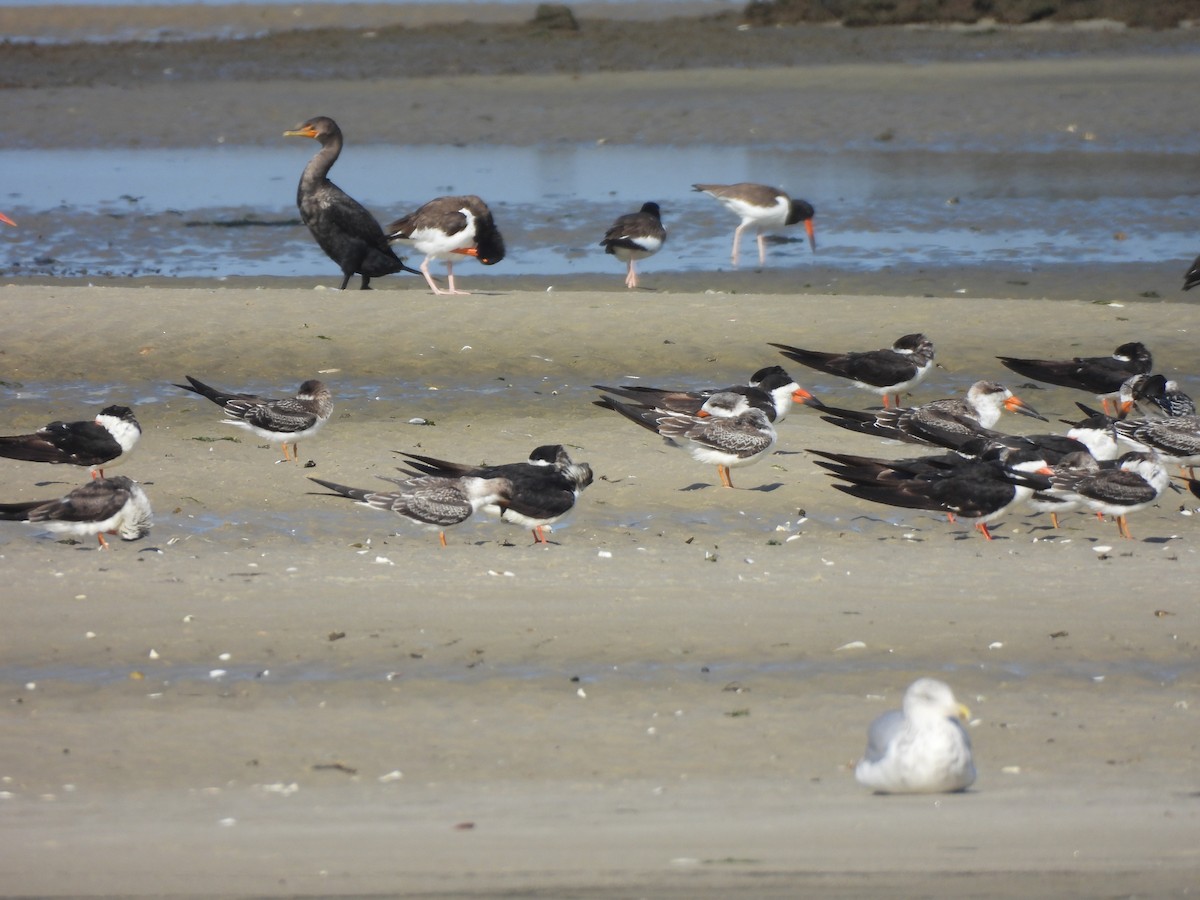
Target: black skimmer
[1056, 500]
[943, 423]
[7, 221]
[1163, 392]
[1101, 375]
[872, 469]
[763, 207]
[981, 490]
[540, 492]
[290, 420]
[447, 227]
[886, 372]
[727, 432]
[430, 501]
[1051, 447]
[343, 228]
[771, 389]
[1176, 441]
[635, 236]
[1134, 482]
[116, 505]
[1192, 278]
[1096, 432]
[97, 443]
[922, 748]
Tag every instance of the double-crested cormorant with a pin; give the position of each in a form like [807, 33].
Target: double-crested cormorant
[448, 226]
[635, 236]
[340, 224]
[763, 207]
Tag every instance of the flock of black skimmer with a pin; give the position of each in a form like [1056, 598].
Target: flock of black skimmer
[1110, 461]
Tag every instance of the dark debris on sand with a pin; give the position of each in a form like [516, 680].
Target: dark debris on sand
[793, 33]
[862, 13]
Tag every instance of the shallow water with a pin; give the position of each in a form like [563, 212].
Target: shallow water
[99, 213]
[166, 676]
[85, 213]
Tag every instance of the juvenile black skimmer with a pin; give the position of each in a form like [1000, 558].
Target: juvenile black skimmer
[341, 226]
[943, 423]
[103, 441]
[540, 490]
[290, 420]
[7, 221]
[727, 432]
[886, 372]
[1137, 480]
[635, 236]
[1101, 375]
[1176, 441]
[771, 389]
[763, 207]
[116, 505]
[429, 501]
[922, 748]
[447, 227]
[1057, 500]
[981, 490]
[1164, 393]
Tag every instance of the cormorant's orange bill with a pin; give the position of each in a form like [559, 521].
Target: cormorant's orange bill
[305, 130]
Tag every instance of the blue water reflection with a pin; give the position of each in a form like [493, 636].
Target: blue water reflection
[229, 210]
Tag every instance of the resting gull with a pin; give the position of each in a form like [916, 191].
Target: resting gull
[922, 749]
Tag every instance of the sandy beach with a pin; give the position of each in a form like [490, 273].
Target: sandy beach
[278, 693]
[666, 702]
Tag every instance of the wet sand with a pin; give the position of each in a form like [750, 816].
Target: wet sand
[668, 700]
[662, 702]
